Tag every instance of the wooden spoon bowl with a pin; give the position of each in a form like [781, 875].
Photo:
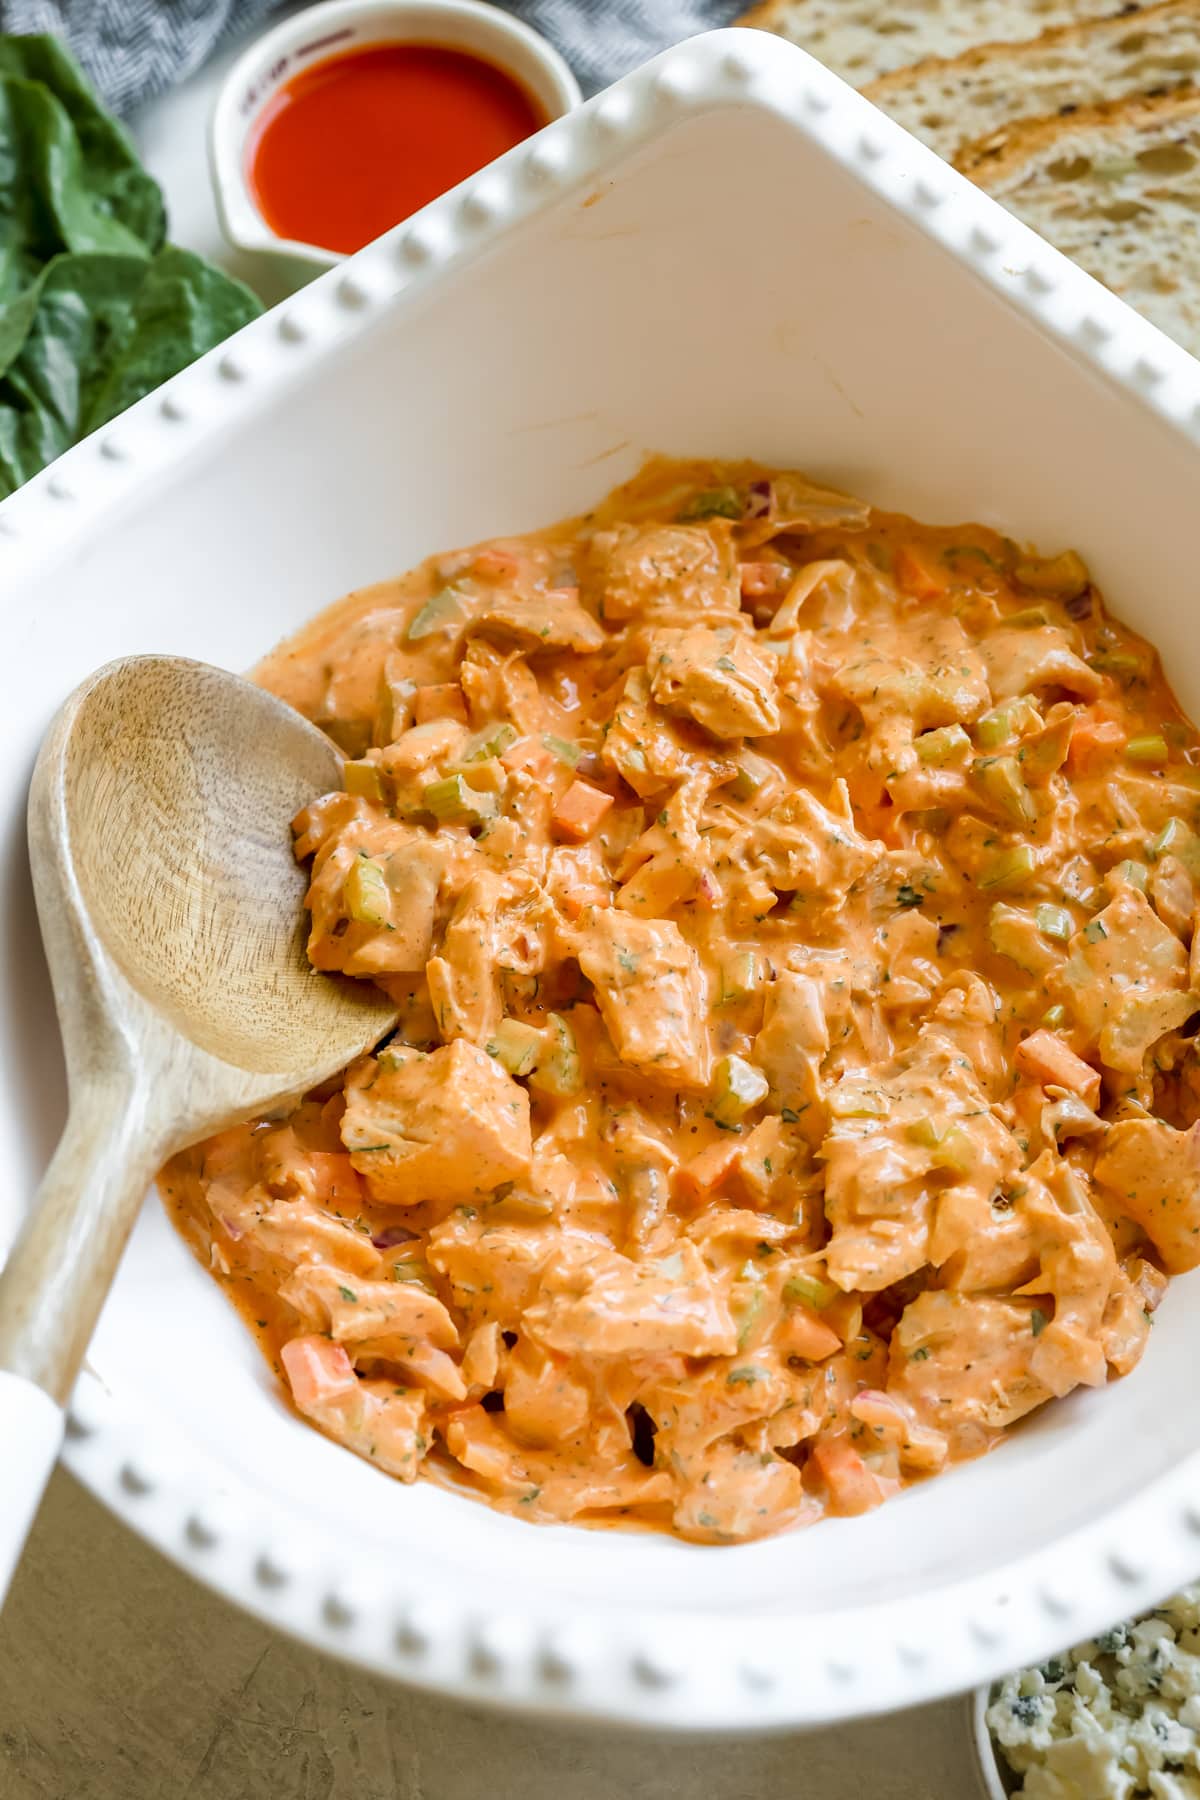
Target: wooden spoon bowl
[172, 911]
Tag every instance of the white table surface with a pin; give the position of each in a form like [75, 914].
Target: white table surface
[120, 1679]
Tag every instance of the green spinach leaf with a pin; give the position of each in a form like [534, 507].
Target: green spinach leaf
[103, 332]
[119, 188]
[95, 310]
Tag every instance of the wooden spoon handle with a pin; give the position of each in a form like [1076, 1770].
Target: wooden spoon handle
[61, 1268]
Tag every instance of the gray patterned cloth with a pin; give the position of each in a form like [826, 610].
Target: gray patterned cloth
[134, 49]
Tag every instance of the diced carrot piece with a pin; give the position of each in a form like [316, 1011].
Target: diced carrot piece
[335, 1180]
[574, 901]
[1094, 742]
[803, 1334]
[318, 1371]
[579, 811]
[918, 574]
[1045, 1058]
[760, 580]
[851, 1486]
[494, 561]
[707, 1170]
[443, 700]
[528, 753]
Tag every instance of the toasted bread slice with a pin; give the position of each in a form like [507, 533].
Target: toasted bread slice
[950, 101]
[864, 39]
[1117, 187]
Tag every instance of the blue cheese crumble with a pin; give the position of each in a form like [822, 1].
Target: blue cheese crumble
[1116, 1718]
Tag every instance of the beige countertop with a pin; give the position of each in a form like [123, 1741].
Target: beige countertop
[121, 1679]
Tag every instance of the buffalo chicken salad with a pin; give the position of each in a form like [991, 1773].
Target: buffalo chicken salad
[789, 908]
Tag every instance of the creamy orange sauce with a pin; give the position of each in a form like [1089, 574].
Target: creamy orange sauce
[790, 909]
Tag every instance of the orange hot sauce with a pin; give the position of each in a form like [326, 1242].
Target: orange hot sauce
[356, 143]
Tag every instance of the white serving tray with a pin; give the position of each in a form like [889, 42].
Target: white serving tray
[730, 252]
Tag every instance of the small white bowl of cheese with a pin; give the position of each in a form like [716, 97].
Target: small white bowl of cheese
[1115, 1718]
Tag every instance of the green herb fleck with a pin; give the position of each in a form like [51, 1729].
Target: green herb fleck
[713, 503]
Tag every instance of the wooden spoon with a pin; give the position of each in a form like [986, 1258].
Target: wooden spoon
[172, 911]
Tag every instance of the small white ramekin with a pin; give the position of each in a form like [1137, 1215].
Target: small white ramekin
[330, 29]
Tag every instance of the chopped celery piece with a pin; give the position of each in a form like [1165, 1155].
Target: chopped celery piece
[490, 777]
[1008, 868]
[413, 1269]
[1095, 930]
[1151, 747]
[1054, 922]
[1054, 1017]
[558, 1069]
[1133, 874]
[854, 1100]
[1064, 575]
[1178, 840]
[809, 1290]
[1014, 933]
[1007, 721]
[1121, 663]
[713, 503]
[1000, 778]
[437, 614]
[1170, 840]
[1026, 619]
[737, 1086]
[452, 802]
[956, 1152]
[747, 1315]
[396, 696]
[493, 740]
[368, 897]
[925, 1133]
[565, 752]
[753, 772]
[994, 727]
[364, 779]
[943, 745]
[741, 974]
[516, 1046]
[1046, 751]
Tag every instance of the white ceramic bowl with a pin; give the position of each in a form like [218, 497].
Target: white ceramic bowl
[310, 36]
[729, 252]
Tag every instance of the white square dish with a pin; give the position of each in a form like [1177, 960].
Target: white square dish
[730, 253]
